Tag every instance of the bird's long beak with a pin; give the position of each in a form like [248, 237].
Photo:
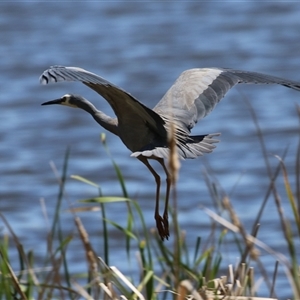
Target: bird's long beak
[56, 101]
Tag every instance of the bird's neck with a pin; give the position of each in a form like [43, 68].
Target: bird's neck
[101, 118]
[106, 122]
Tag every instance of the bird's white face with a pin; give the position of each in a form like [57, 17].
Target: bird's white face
[67, 100]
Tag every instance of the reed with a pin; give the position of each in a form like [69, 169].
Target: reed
[177, 272]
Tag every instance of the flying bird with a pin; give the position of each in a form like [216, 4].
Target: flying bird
[145, 131]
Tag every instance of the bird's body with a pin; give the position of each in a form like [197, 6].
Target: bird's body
[144, 131]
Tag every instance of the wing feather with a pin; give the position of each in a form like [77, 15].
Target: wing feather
[120, 100]
[196, 92]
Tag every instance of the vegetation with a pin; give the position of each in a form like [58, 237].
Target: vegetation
[165, 272]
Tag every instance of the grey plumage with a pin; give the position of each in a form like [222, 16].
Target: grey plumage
[144, 131]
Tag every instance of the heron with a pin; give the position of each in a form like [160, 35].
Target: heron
[145, 131]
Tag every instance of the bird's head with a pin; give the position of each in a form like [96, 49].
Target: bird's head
[70, 100]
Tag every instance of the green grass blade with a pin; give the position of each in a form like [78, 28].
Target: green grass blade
[82, 179]
[197, 249]
[290, 196]
[8, 277]
[116, 167]
[60, 193]
[105, 200]
[130, 219]
[56, 226]
[105, 234]
[124, 230]
[145, 231]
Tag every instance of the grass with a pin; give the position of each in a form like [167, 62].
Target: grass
[175, 271]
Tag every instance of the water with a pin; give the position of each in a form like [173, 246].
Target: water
[143, 47]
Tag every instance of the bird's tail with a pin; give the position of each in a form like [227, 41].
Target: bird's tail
[191, 147]
[197, 145]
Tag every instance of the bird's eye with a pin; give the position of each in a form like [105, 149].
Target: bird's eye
[64, 98]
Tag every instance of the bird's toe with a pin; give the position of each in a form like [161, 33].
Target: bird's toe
[162, 226]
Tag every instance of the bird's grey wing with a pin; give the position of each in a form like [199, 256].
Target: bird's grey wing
[196, 92]
[120, 100]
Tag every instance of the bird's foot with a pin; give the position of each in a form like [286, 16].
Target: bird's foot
[162, 225]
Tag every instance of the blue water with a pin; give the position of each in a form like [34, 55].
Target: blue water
[143, 47]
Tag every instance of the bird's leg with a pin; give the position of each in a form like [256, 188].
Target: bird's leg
[160, 224]
[168, 180]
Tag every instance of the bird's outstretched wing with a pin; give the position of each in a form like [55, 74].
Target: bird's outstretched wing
[196, 92]
[126, 107]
